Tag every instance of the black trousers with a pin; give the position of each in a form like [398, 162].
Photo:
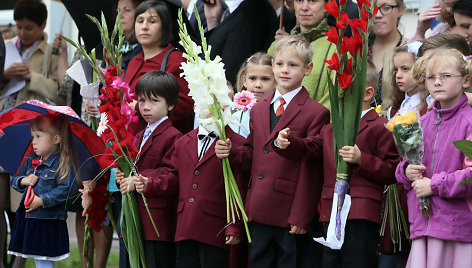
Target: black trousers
[194, 254]
[274, 247]
[159, 254]
[359, 248]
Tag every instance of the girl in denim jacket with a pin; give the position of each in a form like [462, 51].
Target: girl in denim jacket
[444, 238]
[40, 230]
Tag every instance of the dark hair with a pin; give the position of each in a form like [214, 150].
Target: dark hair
[58, 124]
[158, 83]
[463, 7]
[166, 19]
[446, 40]
[33, 10]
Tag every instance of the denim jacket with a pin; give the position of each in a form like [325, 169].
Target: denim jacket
[53, 193]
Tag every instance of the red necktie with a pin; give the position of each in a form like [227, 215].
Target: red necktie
[280, 109]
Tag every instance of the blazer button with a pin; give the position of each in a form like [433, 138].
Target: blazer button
[266, 150]
[260, 176]
[191, 199]
[197, 172]
[194, 186]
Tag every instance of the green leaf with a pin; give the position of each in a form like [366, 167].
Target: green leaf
[465, 146]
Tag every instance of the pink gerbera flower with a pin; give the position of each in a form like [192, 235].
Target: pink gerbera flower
[244, 100]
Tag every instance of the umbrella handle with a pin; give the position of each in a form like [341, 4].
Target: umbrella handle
[29, 196]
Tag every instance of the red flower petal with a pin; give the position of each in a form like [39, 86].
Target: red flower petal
[334, 62]
[332, 8]
[332, 35]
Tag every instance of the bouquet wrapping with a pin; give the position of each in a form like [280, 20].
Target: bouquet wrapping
[408, 137]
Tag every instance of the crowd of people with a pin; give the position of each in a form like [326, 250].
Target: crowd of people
[281, 153]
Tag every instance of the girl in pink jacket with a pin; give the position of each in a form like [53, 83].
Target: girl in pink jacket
[444, 239]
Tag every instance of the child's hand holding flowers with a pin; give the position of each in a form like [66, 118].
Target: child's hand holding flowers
[351, 154]
[140, 183]
[414, 172]
[127, 185]
[422, 187]
[37, 202]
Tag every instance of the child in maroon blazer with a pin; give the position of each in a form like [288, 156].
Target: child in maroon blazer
[283, 194]
[203, 237]
[373, 162]
[157, 94]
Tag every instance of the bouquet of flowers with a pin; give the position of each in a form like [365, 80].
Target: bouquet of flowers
[207, 83]
[113, 128]
[408, 137]
[346, 98]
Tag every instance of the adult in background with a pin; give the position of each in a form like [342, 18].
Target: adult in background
[462, 11]
[153, 29]
[312, 24]
[246, 27]
[385, 36]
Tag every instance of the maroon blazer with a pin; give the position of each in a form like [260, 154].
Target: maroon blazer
[379, 159]
[201, 211]
[161, 193]
[282, 191]
[183, 112]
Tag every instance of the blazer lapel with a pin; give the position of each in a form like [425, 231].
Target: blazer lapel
[368, 117]
[265, 114]
[208, 154]
[159, 129]
[192, 146]
[293, 109]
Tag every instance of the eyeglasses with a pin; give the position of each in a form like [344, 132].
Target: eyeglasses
[387, 9]
[443, 78]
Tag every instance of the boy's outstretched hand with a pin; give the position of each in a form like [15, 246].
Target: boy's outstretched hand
[351, 154]
[296, 230]
[232, 240]
[140, 183]
[414, 172]
[282, 138]
[222, 148]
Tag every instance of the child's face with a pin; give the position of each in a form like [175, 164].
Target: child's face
[446, 84]
[402, 64]
[289, 70]
[154, 108]
[259, 80]
[44, 144]
[148, 28]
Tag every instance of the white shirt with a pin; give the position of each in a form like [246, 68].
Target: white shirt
[190, 8]
[151, 128]
[201, 143]
[233, 5]
[287, 97]
[364, 112]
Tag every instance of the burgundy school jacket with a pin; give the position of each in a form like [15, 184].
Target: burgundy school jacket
[201, 211]
[137, 67]
[379, 159]
[282, 191]
[161, 193]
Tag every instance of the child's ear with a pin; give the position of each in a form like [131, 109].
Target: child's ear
[171, 107]
[308, 68]
[369, 93]
[56, 139]
[466, 83]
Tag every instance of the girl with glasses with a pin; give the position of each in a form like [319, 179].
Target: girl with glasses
[444, 238]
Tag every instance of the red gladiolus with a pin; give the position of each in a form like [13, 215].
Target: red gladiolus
[351, 44]
[333, 63]
[342, 2]
[342, 22]
[360, 3]
[332, 35]
[376, 9]
[345, 80]
[349, 66]
[358, 25]
[112, 70]
[332, 8]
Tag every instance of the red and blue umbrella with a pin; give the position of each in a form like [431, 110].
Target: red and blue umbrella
[15, 137]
